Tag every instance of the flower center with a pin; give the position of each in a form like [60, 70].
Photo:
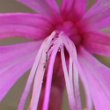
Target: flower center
[71, 30]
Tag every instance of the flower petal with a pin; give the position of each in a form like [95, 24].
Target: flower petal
[79, 6]
[98, 79]
[30, 81]
[98, 43]
[54, 5]
[42, 6]
[100, 10]
[67, 5]
[33, 27]
[17, 50]
[103, 24]
[10, 73]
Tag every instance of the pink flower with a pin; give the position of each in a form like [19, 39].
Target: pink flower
[61, 43]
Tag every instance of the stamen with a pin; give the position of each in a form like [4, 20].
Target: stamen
[49, 79]
[76, 88]
[72, 52]
[38, 82]
[71, 70]
[67, 81]
[40, 74]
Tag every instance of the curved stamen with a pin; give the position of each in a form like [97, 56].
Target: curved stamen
[49, 79]
[68, 84]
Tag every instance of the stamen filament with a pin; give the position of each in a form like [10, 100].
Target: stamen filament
[67, 81]
[49, 79]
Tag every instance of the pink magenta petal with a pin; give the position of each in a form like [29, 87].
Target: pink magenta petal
[12, 25]
[98, 43]
[80, 6]
[54, 5]
[13, 30]
[17, 58]
[67, 5]
[37, 5]
[98, 79]
[99, 49]
[103, 24]
[98, 11]
[33, 20]
[30, 80]
[16, 51]
[41, 6]
[49, 79]
[10, 74]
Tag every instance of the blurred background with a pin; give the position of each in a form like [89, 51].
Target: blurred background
[12, 98]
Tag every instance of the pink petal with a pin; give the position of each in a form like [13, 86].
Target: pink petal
[98, 43]
[103, 24]
[100, 10]
[79, 6]
[98, 79]
[10, 73]
[67, 5]
[35, 20]
[30, 80]
[99, 49]
[42, 6]
[54, 5]
[16, 51]
[33, 27]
